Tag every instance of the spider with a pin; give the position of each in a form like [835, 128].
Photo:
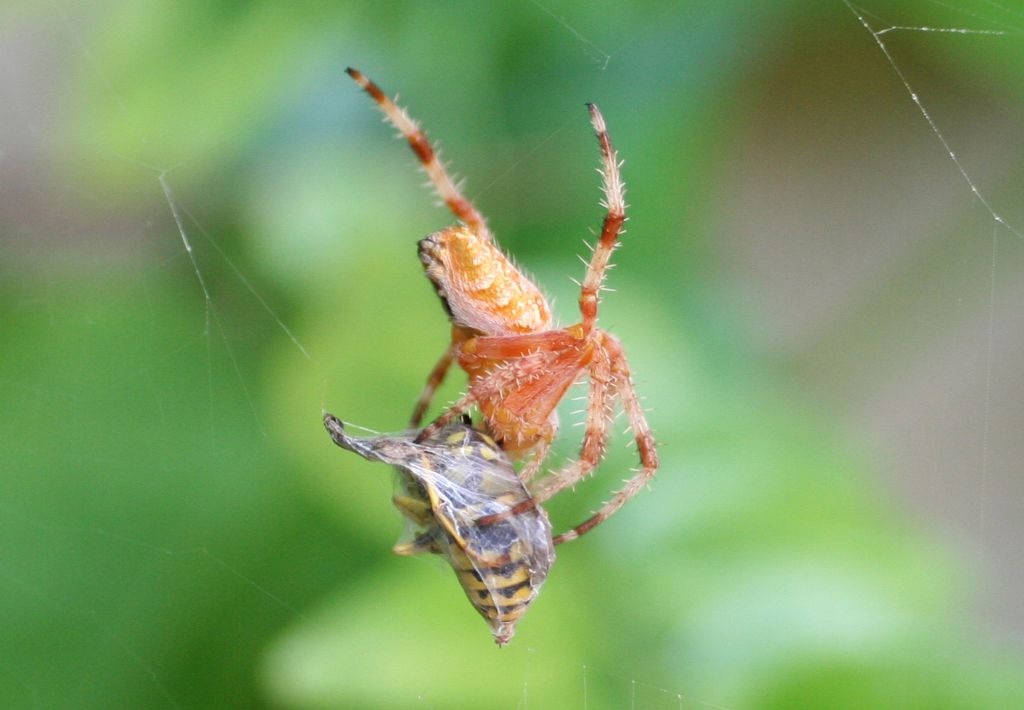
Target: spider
[450, 482]
[519, 364]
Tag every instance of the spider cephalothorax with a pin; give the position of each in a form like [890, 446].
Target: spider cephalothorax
[519, 365]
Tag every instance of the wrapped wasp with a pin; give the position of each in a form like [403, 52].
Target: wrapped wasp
[450, 483]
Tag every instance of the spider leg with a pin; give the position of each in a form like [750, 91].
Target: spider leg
[595, 438]
[442, 181]
[434, 381]
[449, 415]
[614, 201]
[511, 379]
[644, 444]
[595, 441]
[540, 452]
[495, 383]
[506, 347]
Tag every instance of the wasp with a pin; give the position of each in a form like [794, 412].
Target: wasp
[449, 483]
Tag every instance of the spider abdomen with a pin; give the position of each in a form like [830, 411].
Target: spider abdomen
[483, 290]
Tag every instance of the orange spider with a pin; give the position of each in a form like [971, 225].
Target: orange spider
[520, 365]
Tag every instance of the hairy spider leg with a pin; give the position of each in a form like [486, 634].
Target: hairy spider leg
[434, 381]
[603, 388]
[610, 376]
[595, 436]
[611, 228]
[537, 456]
[644, 444]
[446, 188]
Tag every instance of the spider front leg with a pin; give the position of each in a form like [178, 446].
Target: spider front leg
[434, 381]
[644, 444]
[449, 415]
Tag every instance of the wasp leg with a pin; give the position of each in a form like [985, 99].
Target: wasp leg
[415, 509]
[422, 544]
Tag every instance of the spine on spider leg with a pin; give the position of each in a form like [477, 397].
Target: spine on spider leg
[417, 139]
[614, 201]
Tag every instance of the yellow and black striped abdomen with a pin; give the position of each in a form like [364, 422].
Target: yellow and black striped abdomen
[501, 565]
[500, 581]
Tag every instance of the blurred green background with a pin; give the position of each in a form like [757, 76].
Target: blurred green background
[822, 316]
